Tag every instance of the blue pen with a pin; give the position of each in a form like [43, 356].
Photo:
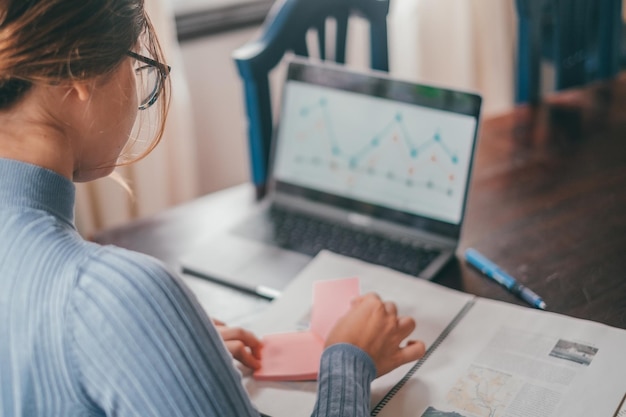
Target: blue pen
[494, 272]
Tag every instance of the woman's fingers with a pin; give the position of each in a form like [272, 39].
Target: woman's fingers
[243, 354]
[243, 345]
[237, 333]
[406, 325]
[374, 326]
[414, 350]
[217, 322]
[391, 308]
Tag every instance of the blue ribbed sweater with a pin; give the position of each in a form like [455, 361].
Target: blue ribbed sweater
[87, 330]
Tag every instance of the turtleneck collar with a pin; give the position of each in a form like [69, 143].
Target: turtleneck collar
[30, 186]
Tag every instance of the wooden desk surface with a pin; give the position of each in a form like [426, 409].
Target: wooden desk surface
[547, 203]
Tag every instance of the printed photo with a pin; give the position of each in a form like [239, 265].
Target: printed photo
[433, 412]
[575, 352]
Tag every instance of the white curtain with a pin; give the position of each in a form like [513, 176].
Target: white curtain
[169, 174]
[462, 44]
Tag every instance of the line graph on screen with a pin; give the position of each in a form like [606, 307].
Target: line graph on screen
[391, 152]
[376, 150]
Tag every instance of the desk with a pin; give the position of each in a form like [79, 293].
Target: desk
[547, 203]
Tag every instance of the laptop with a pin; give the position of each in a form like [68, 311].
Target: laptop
[362, 164]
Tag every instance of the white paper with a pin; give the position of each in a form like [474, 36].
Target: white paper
[431, 305]
[501, 360]
[621, 412]
[504, 360]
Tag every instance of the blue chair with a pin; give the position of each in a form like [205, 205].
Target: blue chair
[285, 29]
[580, 37]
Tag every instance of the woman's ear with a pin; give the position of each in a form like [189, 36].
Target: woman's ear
[82, 90]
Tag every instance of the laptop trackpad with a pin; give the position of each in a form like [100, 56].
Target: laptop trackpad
[245, 264]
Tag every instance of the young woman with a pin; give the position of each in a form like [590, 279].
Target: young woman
[87, 330]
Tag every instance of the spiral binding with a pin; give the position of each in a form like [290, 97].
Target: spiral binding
[393, 391]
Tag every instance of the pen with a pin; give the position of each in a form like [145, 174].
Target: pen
[494, 272]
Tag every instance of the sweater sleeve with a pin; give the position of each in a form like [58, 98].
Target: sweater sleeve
[139, 344]
[346, 373]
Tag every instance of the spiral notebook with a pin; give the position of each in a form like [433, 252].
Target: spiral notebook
[484, 357]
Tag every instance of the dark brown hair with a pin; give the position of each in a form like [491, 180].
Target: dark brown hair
[52, 41]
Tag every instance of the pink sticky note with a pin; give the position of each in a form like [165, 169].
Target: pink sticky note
[296, 356]
[331, 300]
[290, 356]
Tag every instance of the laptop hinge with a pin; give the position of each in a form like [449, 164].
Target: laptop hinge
[343, 216]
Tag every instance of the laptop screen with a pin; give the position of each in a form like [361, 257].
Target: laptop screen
[391, 149]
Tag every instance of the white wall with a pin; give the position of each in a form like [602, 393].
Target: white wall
[218, 108]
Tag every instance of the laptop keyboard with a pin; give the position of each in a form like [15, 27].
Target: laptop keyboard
[308, 235]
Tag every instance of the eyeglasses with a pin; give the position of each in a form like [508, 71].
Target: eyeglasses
[151, 77]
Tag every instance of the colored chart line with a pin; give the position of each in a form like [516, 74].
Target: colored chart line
[388, 175]
[355, 160]
[371, 145]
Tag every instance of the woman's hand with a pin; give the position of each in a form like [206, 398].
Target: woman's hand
[242, 344]
[374, 326]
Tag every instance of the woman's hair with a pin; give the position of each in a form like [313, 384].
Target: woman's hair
[52, 41]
